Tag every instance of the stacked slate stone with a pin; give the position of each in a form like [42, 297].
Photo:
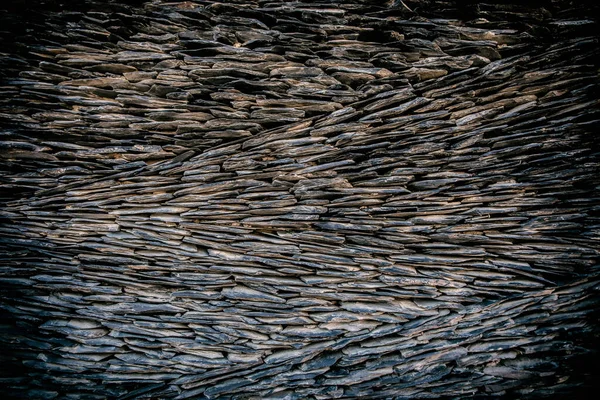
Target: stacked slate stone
[298, 200]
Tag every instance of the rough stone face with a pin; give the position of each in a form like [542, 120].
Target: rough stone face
[299, 200]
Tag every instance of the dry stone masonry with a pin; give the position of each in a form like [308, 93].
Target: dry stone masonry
[264, 199]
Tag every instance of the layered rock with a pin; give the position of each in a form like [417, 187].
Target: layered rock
[265, 199]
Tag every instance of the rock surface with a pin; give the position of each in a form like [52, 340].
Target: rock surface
[299, 200]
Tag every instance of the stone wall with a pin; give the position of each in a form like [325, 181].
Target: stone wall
[287, 200]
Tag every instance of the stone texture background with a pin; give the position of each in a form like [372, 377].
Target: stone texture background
[286, 200]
